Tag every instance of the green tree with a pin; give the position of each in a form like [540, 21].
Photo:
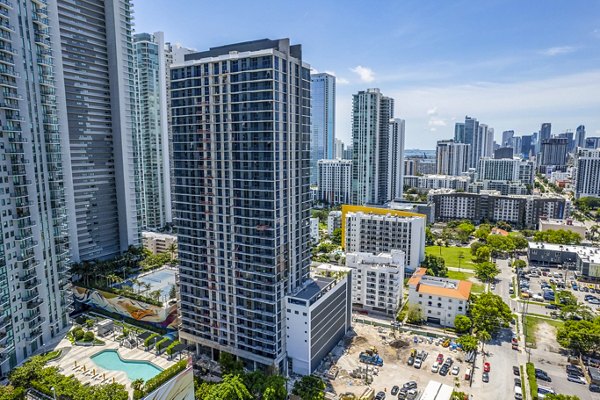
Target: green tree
[551, 396]
[429, 237]
[230, 365]
[582, 336]
[489, 313]
[11, 393]
[28, 372]
[309, 388]
[464, 230]
[483, 336]
[518, 263]
[559, 236]
[500, 244]
[414, 314]
[172, 292]
[519, 242]
[504, 225]
[462, 323]
[336, 236]
[476, 246]
[483, 231]
[486, 271]
[232, 388]
[435, 265]
[566, 297]
[483, 254]
[468, 342]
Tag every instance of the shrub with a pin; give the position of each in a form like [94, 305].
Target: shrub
[78, 334]
[150, 339]
[171, 347]
[161, 343]
[89, 323]
[88, 336]
[164, 376]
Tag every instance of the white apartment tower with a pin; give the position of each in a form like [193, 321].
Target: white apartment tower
[152, 132]
[34, 246]
[241, 195]
[505, 169]
[99, 74]
[395, 178]
[587, 173]
[452, 158]
[371, 114]
[381, 233]
[377, 280]
[334, 180]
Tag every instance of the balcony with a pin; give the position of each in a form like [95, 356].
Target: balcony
[30, 297]
[32, 316]
[31, 305]
[34, 334]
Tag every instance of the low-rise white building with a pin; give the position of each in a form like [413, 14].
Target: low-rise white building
[314, 230]
[158, 242]
[440, 299]
[318, 316]
[334, 221]
[584, 259]
[552, 224]
[377, 280]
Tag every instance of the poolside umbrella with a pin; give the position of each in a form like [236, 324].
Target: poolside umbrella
[104, 375]
[94, 371]
[84, 368]
[76, 363]
[113, 379]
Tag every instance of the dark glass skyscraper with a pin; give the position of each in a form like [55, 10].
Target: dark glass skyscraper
[322, 121]
[241, 132]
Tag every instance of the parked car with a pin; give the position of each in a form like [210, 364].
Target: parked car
[486, 367]
[455, 370]
[551, 306]
[435, 368]
[395, 390]
[418, 363]
[485, 377]
[444, 370]
[411, 360]
[518, 382]
[543, 376]
[594, 388]
[410, 385]
[380, 396]
[577, 379]
[573, 370]
[440, 358]
[516, 370]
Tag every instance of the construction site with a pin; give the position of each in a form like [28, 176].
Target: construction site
[376, 358]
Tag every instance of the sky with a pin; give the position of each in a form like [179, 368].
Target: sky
[510, 64]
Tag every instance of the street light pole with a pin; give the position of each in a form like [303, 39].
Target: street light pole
[53, 392]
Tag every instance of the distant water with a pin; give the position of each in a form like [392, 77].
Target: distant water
[419, 153]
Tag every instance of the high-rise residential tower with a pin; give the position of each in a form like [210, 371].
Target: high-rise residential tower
[452, 158]
[98, 62]
[371, 114]
[587, 172]
[34, 245]
[470, 133]
[241, 144]
[554, 153]
[322, 145]
[580, 137]
[152, 142]
[544, 134]
[395, 176]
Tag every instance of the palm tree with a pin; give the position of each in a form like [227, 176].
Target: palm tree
[147, 286]
[172, 249]
[483, 336]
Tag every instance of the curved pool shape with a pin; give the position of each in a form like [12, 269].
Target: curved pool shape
[135, 369]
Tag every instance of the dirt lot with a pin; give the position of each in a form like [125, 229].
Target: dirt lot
[394, 350]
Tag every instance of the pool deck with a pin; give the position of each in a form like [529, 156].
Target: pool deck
[81, 355]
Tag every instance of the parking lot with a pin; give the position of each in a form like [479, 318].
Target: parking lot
[395, 351]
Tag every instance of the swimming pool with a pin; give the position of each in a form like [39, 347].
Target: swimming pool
[135, 369]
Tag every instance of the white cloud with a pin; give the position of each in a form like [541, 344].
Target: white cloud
[432, 111]
[338, 79]
[556, 51]
[364, 73]
[567, 101]
[314, 70]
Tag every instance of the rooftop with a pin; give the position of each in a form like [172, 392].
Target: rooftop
[313, 287]
[565, 222]
[440, 286]
[282, 45]
[586, 253]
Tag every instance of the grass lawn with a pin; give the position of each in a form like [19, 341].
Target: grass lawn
[531, 323]
[530, 369]
[478, 287]
[463, 276]
[450, 255]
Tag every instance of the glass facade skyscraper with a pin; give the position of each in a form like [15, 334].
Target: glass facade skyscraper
[98, 66]
[152, 162]
[322, 121]
[241, 147]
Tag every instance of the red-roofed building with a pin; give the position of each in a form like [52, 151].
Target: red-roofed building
[440, 299]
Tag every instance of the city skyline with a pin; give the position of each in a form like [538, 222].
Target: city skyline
[513, 76]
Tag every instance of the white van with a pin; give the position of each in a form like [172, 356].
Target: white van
[518, 393]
